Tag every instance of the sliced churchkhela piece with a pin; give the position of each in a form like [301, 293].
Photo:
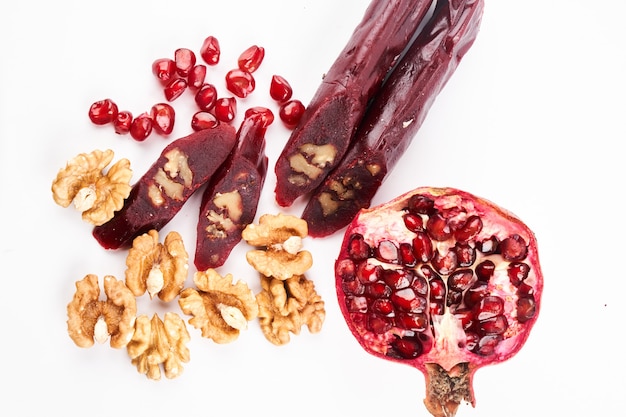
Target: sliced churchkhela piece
[229, 203]
[394, 117]
[183, 166]
[329, 122]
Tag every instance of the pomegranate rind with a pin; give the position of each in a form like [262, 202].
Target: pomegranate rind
[385, 223]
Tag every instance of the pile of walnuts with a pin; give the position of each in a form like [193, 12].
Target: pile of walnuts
[219, 307]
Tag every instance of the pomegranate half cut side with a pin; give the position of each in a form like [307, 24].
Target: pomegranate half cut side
[443, 281]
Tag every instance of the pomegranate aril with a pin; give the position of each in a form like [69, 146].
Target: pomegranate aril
[203, 120]
[382, 307]
[397, 278]
[487, 344]
[454, 298]
[239, 82]
[513, 248]
[386, 251]
[485, 269]
[489, 246]
[466, 317]
[141, 127]
[206, 97]
[358, 249]
[196, 76]
[469, 230]
[185, 60]
[377, 290]
[103, 112]
[438, 228]
[476, 293]
[489, 307]
[406, 348]
[407, 300]
[471, 341]
[163, 118]
[175, 88]
[526, 308]
[263, 112]
[122, 122]
[421, 204]
[422, 247]
[353, 287]
[378, 324]
[280, 89]
[518, 272]
[493, 326]
[416, 322]
[465, 254]
[437, 290]
[420, 285]
[461, 280]
[251, 58]
[444, 263]
[356, 304]
[225, 109]
[291, 112]
[164, 69]
[369, 273]
[210, 50]
[406, 255]
[413, 222]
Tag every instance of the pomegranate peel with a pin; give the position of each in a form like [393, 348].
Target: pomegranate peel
[445, 312]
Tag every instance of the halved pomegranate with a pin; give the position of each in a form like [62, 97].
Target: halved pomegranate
[441, 280]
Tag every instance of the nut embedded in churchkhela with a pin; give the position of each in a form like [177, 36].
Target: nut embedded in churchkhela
[97, 195]
[159, 268]
[90, 318]
[157, 343]
[280, 237]
[220, 309]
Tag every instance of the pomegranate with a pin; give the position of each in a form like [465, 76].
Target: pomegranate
[280, 89]
[443, 281]
[291, 112]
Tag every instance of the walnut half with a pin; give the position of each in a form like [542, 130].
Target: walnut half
[90, 318]
[96, 194]
[219, 308]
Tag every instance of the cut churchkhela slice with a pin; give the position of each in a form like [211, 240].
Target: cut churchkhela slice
[394, 117]
[183, 166]
[229, 203]
[327, 126]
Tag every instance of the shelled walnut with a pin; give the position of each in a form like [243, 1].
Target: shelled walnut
[97, 195]
[90, 318]
[157, 343]
[159, 268]
[286, 305]
[280, 239]
[219, 308]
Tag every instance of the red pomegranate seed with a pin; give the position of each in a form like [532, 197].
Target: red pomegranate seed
[185, 60]
[291, 112]
[472, 226]
[421, 204]
[518, 272]
[240, 82]
[438, 228]
[413, 222]
[406, 255]
[175, 88]
[513, 248]
[397, 279]
[382, 306]
[485, 269]
[280, 89]
[378, 290]
[263, 112]
[206, 96]
[203, 120]
[196, 76]
[422, 247]
[141, 127]
[164, 69]
[445, 263]
[251, 58]
[225, 109]
[103, 111]
[210, 51]
[358, 249]
[122, 122]
[163, 117]
[526, 309]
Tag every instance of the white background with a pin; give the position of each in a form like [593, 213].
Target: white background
[533, 120]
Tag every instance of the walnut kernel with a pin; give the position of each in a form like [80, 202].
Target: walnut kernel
[159, 342]
[90, 318]
[159, 268]
[96, 194]
[220, 309]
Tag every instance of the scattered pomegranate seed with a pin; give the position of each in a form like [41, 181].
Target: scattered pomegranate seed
[291, 112]
[163, 117]
[266, 114]
[203, 120]
[210, 51]
[240, 82]
[103, 111]
[164, 69]
[122, 122]
[196, 76]
[185, 60]
[206, 97]
[225, 109]
[251, 58]
[280, 89]
[141, 127]
[175, 88]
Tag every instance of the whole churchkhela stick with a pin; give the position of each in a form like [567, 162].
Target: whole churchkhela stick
[395, 115]
[183, 167]
[329, 122]
[229, 202]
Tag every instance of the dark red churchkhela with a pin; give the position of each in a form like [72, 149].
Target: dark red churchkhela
[183, 166]
[394, 117]
[443, 281]
[327, 126]
[229, 203]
